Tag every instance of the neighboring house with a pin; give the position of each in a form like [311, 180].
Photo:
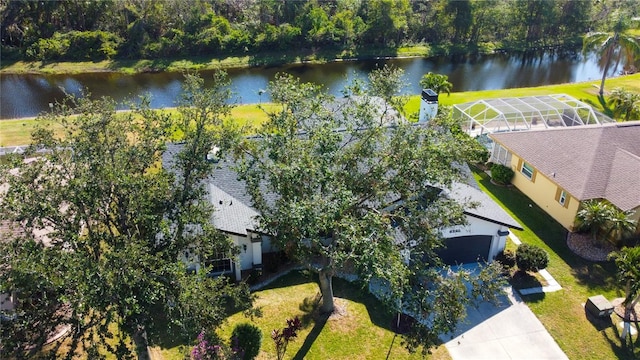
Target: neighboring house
[481, 239]
[560, 168]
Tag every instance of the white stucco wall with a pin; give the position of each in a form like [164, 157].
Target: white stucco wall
[476, 226]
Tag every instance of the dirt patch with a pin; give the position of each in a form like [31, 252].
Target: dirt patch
[340, 309]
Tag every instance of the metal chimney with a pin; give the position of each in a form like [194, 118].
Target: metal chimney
[428, 105]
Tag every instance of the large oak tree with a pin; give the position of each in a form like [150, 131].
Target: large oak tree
[103, 228]
[344, 185]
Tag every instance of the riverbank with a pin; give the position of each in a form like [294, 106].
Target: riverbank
[298, 56]
[18, 131]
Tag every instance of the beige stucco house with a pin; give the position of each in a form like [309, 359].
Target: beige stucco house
[560, 168]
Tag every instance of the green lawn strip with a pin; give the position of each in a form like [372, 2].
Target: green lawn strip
[562, 312]
[18, 131]
[362, 333]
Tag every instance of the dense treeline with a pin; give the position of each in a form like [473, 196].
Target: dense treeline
[95, 30]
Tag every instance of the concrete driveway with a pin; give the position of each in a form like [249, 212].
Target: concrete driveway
[508, 331]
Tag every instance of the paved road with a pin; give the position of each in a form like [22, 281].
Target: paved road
[508, 331]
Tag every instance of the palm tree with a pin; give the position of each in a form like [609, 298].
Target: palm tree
[612, 45]
[628, 263]
[436, 82]
[620, 224]
[625, 103]
[594, 216]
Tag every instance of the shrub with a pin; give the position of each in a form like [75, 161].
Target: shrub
[531, 258]
[507, 259]
[248, 338]
[501, 174]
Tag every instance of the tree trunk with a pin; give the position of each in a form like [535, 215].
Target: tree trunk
[606, 65]
[326, 288]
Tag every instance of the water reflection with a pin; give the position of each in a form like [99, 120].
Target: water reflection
[27, 95]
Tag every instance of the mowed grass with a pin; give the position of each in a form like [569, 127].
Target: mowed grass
[18, 131]
[363, 332]
[562, 312]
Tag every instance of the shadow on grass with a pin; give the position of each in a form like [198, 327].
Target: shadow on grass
[596, 276]
[319, 324]
[524, 280]
[533, 298]
[623, 349]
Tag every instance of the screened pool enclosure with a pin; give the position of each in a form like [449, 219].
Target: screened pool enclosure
[483, 117]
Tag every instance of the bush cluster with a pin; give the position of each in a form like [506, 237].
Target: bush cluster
[531, 258]
[507, 259]
[501, 174]
[248, 338]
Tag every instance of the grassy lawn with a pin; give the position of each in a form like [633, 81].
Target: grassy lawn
[562, 312]
[363, 332]
[18, 131]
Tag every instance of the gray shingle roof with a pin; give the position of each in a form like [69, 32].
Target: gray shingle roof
[236, 215]
[231, 214]
[485, 208]
[589, 162]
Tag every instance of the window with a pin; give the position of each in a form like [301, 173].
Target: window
[219, 263]
[501, 155]
[563, 198]
[527, 170]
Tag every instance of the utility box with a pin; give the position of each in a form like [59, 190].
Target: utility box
[599, 306]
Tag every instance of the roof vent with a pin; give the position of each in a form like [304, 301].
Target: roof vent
[214, 154]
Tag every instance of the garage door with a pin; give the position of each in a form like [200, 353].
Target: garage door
[465, 249]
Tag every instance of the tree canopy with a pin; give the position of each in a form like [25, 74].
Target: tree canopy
[344, 185]
[104, 228]
[436, 82]
[95, 30]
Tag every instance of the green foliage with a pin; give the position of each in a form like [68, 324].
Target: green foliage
[336, 193]
[626, 104]
[531, 258]
[627, 262]
[76, 45]
[507, 258]
[248, 338]
[597, 216]
[501, 174]
[150, 29]
[436, 82]
[114, 225]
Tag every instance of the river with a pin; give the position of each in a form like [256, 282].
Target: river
[26, 95]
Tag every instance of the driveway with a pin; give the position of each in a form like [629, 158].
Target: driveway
[507, 331]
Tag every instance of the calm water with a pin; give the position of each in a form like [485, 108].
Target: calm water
[28, 95]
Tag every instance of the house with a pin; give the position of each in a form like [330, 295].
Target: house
[560, 168]
[481, 239]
